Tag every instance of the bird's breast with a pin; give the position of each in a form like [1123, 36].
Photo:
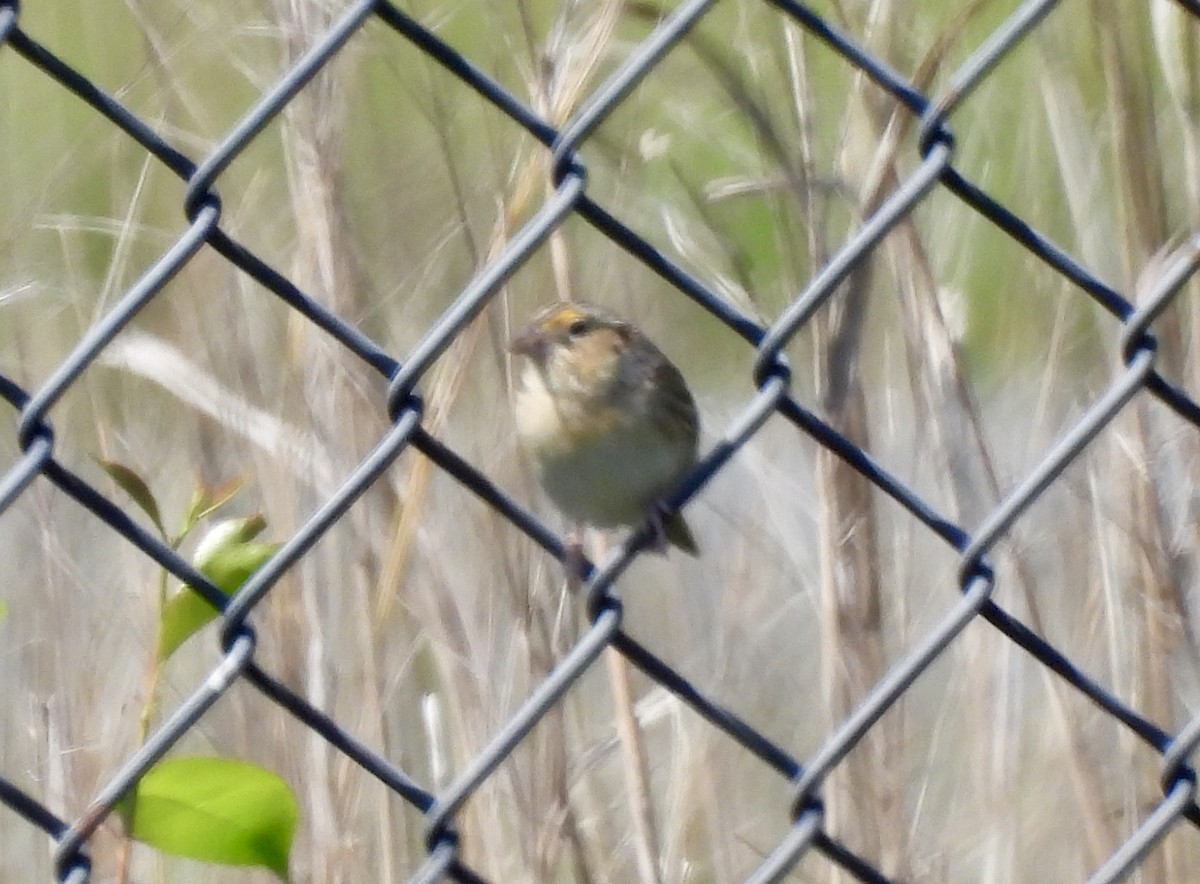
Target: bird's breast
[594, 465]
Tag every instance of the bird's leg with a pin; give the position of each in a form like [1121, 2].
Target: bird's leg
[573, 559]
[657, 517]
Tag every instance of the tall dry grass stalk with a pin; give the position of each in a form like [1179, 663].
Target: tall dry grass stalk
[423, 620]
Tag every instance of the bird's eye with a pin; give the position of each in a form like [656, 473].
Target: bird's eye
[578, 327]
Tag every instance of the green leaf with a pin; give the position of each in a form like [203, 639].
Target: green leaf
[192, 517]
[226, 556]
[220, 539]
[217, 810]
[3, 611]
[133, 485]
[221, 495]
[206, 501]
[184, 614]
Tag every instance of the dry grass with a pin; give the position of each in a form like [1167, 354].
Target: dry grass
[422, 620]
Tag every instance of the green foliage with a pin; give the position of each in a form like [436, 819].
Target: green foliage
[212, 809]
[206, 501]
[135, 486]
[227, 556]
[215, 809]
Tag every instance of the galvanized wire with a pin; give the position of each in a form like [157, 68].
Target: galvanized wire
[935, 172]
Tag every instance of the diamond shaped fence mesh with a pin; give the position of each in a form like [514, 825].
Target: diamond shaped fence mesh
[940, 627]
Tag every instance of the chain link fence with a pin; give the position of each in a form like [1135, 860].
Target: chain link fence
[808, 831]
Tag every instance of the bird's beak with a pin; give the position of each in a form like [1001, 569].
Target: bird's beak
[532, 342]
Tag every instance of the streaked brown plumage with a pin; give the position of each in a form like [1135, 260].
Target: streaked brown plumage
[606, 418]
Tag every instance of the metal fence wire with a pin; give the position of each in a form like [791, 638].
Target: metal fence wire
[807, 832]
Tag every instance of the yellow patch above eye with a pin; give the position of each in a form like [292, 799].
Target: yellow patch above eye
[563, 318]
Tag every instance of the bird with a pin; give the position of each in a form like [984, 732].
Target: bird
[606, 418]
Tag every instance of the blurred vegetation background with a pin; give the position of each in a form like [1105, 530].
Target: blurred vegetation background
[421, 621]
